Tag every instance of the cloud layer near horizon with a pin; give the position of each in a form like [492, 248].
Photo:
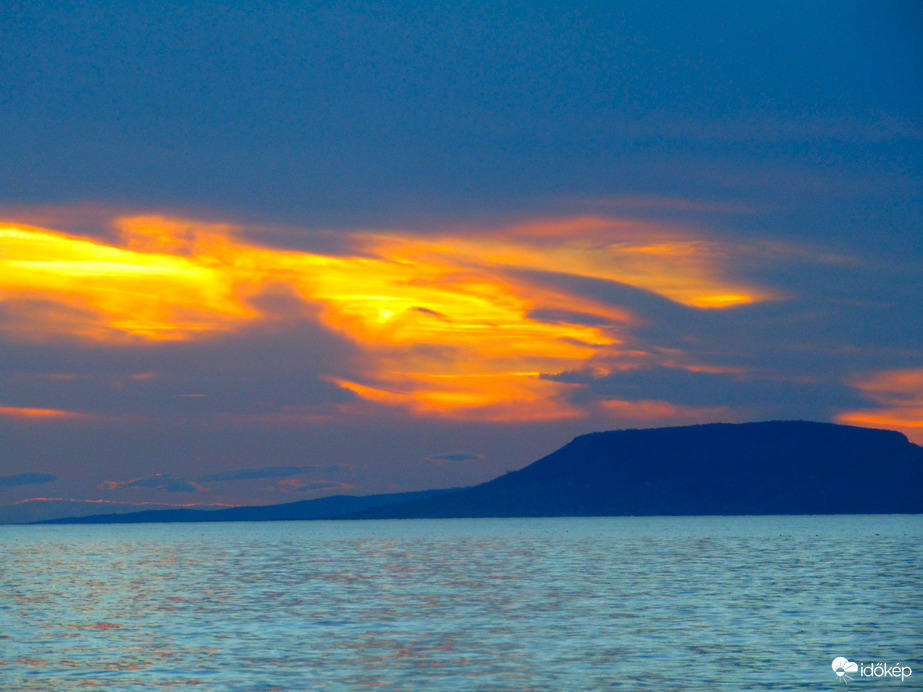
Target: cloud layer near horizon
[542, 319]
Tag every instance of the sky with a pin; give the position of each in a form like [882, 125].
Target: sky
[254, 253]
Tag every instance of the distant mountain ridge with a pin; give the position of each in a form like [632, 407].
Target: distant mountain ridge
[776, 467]
[330, 507]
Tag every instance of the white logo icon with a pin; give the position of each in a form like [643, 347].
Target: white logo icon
[841, 666]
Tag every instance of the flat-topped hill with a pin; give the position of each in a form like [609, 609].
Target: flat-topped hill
[779, 467]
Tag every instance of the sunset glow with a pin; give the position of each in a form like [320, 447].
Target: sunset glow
[449, 325]
[54, 285]
[38, 413]
[375, 241]
[899, 395]
[676, 265]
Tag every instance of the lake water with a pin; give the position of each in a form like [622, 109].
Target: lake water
[654, 603]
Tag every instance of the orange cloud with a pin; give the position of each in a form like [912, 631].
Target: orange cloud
[39, 413]
[496, 397]
[899, 394]
[445, 325]
[674, 264]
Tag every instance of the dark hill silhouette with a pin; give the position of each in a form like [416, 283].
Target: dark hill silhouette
[793, 467]
[721, 469]
[322, 508]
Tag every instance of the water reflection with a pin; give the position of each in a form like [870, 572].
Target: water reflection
[666, 603]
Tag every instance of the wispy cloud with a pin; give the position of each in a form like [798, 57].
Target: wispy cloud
[298, 485]
[291, 479]
[898, 399]
[119, 503]
[157, 481]
[454, 457]
[27, 413]
[28, 479]
[265, 472]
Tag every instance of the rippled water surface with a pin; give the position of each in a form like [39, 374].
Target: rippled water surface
[486, 604]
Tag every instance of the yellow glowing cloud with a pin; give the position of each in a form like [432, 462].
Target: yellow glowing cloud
[446, 324]
[110, 291]
[899, 394]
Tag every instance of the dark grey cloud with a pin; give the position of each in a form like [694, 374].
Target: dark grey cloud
[427, 311]
[653, 307]
[28, 479]
[261, 370]
[266, 472]
[833, 316]
[450, 457]
[321, 485]
[706, 389]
